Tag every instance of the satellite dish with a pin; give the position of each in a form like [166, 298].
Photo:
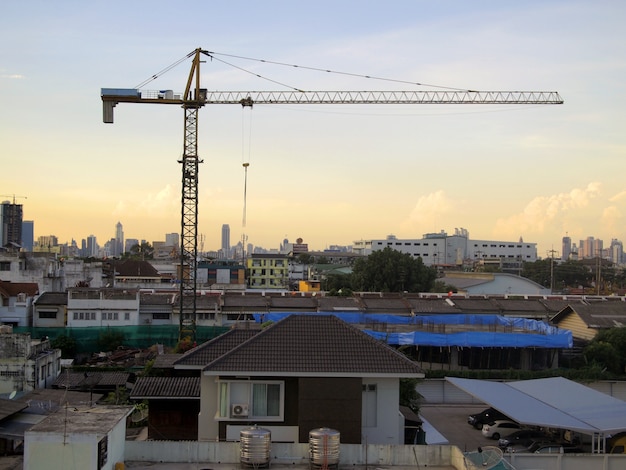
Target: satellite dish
[12, 395]
[487, 457]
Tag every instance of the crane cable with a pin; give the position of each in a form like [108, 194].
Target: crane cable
[210, 54]
[245, 160]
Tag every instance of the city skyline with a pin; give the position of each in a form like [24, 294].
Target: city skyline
[336, 173]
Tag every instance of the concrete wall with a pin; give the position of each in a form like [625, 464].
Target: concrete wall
[360, 455]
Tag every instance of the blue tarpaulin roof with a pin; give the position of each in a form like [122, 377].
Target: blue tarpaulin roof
[522, 333]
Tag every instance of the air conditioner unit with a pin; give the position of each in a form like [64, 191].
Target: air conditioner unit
[239, 410]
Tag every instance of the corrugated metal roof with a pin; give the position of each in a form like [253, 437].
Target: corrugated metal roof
[553, 402]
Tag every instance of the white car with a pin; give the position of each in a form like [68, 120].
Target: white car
[500, 427]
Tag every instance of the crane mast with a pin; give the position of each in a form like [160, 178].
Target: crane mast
[194, 97]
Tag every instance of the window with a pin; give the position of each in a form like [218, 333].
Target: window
[5, 265]
[251, 400]
[126, 316]
[47, 314]
[160, 316]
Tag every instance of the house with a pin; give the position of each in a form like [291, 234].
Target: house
[268, 271]
[304, 372]
[102, 307]
[587, 319]
[301, 373]
[16, 302]
[50, 310]
[26, 364]
[86, 436]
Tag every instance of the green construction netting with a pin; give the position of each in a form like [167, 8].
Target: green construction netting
[134, 336]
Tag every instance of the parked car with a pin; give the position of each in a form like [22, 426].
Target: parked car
[558, 449]
[499, 427]
[521, 438]
[490, 414]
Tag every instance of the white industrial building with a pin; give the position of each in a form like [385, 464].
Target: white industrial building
[442, 249]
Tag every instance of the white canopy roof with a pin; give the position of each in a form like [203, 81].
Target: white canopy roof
[553, 402]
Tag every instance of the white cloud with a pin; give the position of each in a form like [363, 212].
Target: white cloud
[429, 211]
[546, 211]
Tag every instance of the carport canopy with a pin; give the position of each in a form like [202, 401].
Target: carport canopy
[553, 402]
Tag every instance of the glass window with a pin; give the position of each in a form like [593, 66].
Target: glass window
[251, 399]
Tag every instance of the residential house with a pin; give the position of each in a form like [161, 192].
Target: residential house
[50, 310]
[586, 319]
[16, 307]
[301, 373]
[26, 364]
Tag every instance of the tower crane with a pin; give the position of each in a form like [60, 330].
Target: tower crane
[195, 97]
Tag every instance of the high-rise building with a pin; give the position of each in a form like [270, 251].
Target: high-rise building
[92, 246]
[118, 247]
[567, 248]
[28, 235]
[171, 239]
[10, 224]
[226, 238]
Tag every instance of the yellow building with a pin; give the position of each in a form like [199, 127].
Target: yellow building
[268, 271]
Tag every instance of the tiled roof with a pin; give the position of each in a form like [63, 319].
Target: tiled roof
[390, 305]
[11, 289]
[476, 305]
[166, 387]
[521, 305]
[52, 298]
[211, 350]
[237, 301]
[314, 345]
[10, 407]
[135, 268]
[165, 361]
[293, 302]
[330, 303]
[599, 315]
[420, 306]
[91, 379]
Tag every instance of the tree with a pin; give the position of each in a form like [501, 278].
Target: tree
[66, 344]
[389, 270]
[608, 349]
[110, 340]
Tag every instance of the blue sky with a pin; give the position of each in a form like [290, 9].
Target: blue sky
[332, 174]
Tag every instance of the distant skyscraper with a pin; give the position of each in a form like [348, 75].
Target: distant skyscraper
[10, 224]
[226, 238]
[28, 235]
[567, 248]
[119, 240]
[92, 246]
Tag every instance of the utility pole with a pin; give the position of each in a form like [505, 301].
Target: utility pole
[551, 252]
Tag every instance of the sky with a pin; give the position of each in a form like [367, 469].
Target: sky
[330, 174]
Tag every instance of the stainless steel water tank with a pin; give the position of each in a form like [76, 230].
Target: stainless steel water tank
[255, 443]
[324, 448]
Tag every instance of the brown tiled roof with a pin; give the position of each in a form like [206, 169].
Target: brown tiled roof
[238, 301]
[314, 345]
[10, 407]
[522, 307]
[166, 387]
[11, 289]
[207, 352]
[136, 268]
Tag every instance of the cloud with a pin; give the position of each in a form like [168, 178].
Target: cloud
[612, 219]
[160, 204]
[429, 210]
[621, 196]
[13, 76]
[545, 211]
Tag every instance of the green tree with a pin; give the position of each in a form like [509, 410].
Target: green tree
[408, 394]
[392, 271]
[608, 349]
[66, 344]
